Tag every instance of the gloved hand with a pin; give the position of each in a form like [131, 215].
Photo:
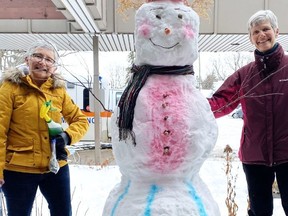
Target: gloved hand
[62, 140]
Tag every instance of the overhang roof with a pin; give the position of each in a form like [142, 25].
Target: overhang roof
[61, 21]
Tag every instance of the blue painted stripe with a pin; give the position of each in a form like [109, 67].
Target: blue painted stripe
[197, 199]
[121, 197]
[153, 190]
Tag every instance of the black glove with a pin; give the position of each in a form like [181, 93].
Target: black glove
[62, 140]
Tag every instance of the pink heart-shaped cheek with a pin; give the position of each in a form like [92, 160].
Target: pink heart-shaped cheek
[144, 30]
[188, 32]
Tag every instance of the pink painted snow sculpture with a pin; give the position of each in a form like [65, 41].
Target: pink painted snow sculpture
[164, 129]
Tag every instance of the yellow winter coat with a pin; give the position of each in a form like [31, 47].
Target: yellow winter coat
[24, 138]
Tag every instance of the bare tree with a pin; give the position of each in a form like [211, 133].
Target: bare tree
[224, 64]
[208, 82]
[86, 75]
[238, 59]
[117, 76]
[199, 82]
[131, 59]
[10, 59]
[218, 68]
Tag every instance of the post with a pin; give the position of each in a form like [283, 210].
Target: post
[200, 81]
[96, 91]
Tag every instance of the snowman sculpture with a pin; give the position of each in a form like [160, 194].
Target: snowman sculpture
[163, 128]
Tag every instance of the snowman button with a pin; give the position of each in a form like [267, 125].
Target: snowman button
[165, 95]
[166, 151]
[167, 132]
[164, 105]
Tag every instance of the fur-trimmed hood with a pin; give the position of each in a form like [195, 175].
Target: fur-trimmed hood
[17, 76]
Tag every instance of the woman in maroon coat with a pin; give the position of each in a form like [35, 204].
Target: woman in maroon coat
[261, 87]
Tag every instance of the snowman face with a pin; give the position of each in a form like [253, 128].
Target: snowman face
[166, 34]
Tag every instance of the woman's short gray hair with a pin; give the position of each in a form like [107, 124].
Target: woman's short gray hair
[45, 45]
[262, 16]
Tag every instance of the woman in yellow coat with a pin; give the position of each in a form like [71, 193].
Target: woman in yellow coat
[25, 150]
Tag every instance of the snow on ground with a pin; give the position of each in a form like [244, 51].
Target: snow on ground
[91, 185]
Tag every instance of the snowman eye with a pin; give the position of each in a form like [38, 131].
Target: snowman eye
[180, 16]
[158, 16]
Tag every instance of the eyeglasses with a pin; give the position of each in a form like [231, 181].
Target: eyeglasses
[39, 57]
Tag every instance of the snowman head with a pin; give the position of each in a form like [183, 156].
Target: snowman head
[166, 34]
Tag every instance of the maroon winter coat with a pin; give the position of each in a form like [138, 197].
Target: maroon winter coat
[262, 89]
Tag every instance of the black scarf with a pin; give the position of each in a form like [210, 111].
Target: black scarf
[128, 99]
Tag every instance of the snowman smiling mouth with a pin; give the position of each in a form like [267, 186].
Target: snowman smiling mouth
[164, 47]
